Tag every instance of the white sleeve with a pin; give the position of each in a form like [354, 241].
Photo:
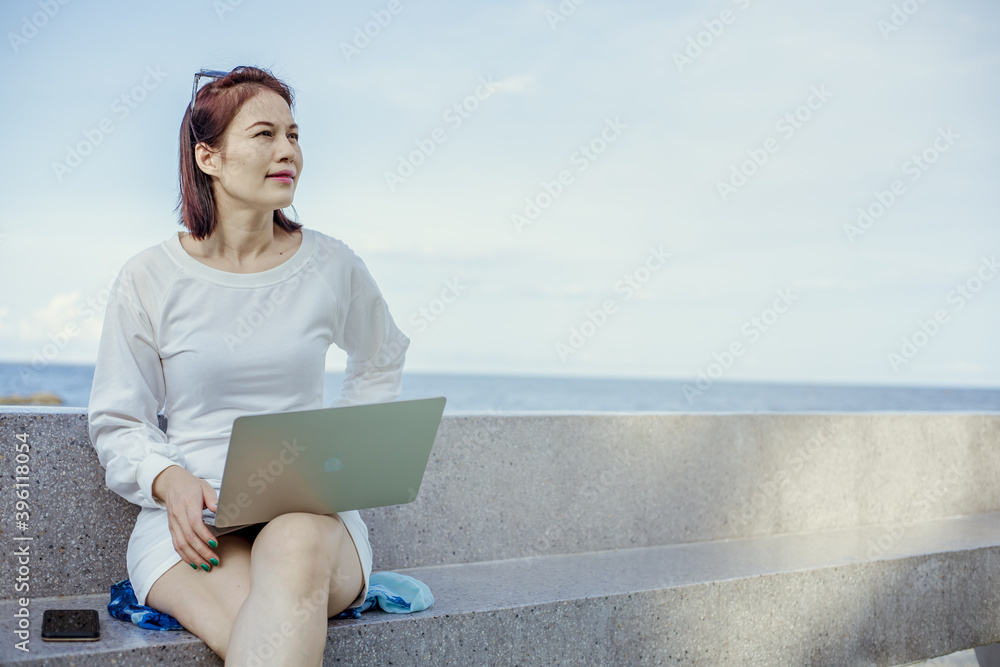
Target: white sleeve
[127, 393]
[375, 346]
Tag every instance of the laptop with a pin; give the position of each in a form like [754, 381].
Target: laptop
[325, 460]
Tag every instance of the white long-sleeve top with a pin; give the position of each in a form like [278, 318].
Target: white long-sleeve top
[209, 345]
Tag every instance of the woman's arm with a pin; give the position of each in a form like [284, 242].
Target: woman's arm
[127, 393]
[375, 346]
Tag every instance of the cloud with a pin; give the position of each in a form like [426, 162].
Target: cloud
[518, 84]
[65, 317]
[51, 318]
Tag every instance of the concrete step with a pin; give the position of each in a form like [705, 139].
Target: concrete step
[512, 486]
[957, 659]
[821, 598]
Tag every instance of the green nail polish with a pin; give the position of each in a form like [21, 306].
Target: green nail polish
[213, 561]
[193, 566]
[213, 543]
[205, 567]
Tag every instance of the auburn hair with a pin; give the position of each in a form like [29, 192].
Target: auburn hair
[205, 121]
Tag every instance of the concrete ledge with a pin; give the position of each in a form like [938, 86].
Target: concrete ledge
[815, 598]
[524, 485]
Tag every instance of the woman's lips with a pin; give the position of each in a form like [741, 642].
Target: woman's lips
[281, 178]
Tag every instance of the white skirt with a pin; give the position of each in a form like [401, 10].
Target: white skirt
[151, 550]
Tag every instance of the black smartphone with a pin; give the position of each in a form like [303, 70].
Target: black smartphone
[70, 625]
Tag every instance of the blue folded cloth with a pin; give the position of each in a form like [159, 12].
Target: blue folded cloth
[392, 592]
[125, 607]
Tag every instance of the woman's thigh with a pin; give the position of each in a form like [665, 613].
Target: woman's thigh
[206, 603]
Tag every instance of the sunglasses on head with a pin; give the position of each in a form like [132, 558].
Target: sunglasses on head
[204, 73]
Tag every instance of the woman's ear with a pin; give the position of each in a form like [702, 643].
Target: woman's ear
[208, 161]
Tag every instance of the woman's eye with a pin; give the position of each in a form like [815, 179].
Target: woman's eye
[293, 135]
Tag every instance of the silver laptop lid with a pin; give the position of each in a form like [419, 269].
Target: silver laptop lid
[326, 460]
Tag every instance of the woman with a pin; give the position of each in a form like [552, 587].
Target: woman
[235, 317]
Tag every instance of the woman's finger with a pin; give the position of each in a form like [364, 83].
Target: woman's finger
[181, 546]
[211, 497]
[200, 538]
[188, 544]
[192, 539]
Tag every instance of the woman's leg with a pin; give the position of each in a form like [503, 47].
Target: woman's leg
[206, 603]
[304, 568]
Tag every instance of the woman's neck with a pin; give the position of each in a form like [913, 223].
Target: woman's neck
[243, 248]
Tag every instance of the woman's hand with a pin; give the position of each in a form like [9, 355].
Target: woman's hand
[186, 496]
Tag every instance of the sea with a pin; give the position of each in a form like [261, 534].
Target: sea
[503, 394]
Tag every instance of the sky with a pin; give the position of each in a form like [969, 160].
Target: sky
[735, 190]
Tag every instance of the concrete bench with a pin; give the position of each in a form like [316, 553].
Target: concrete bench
[751, 539]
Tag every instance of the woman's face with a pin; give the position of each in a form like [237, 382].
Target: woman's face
[260, 160]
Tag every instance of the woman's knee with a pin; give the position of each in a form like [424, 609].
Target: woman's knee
[298, 532]
[304, 542]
